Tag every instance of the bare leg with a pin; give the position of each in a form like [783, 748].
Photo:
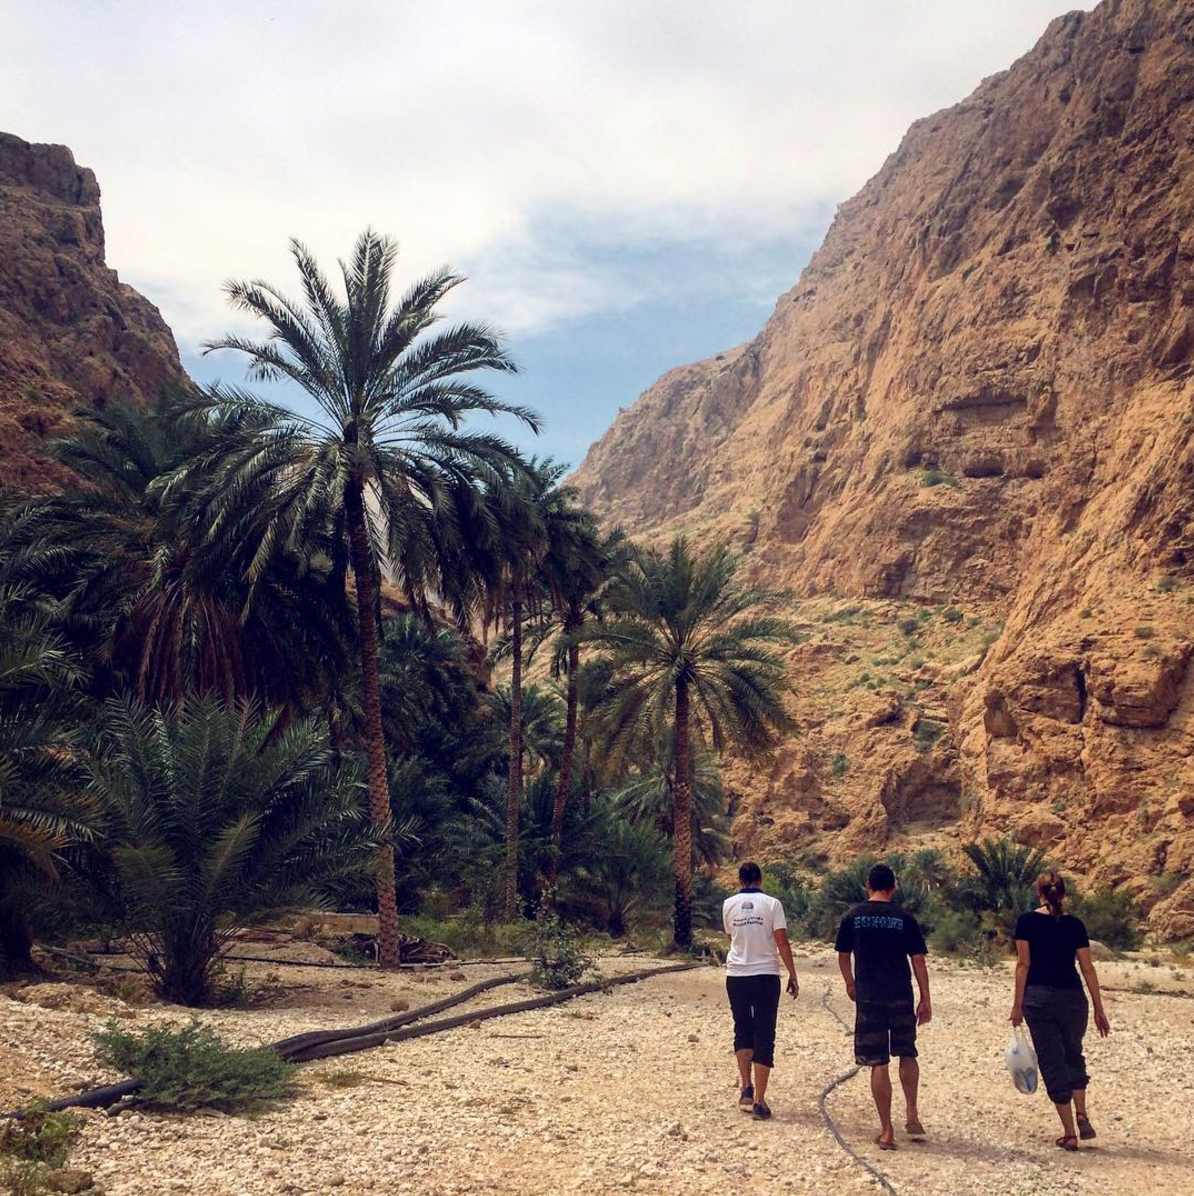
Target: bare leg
[910, 1082]
[1080, 1101]
[1067, 1120]
[762, 1075]
[744, 1057]
[881, 1091]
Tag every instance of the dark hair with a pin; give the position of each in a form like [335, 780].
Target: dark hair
[880, 879]
[1050, 886]
[750, 873]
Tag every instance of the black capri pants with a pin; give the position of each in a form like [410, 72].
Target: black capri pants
[754, 1002]
[1056, 1019]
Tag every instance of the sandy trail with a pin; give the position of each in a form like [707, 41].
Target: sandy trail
[634, 1090]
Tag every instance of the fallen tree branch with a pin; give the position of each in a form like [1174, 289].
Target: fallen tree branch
[324, 1044]
[347, 1046]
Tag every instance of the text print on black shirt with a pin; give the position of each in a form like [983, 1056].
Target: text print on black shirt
[881, 937]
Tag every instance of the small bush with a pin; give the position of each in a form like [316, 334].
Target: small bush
[839, 767]
[1111, 918]
[1166, 884]
[1166, 585]
[40, 1136]
[1144, 633]
[928, 731]
[909, 626]
[558, 958]
[20, 1178]
[1085, 613]
[962, 932]
[952, 614]
[937, 477]
[183, 1068]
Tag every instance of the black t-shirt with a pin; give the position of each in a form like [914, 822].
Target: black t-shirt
[881, 936]
[1053, 945]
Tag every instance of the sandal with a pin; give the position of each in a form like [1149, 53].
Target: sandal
[1086, 1131]
[1068, 1142]
[885, 1145]
[915, 1129]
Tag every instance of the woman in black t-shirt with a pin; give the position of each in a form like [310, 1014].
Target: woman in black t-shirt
[1051, 946]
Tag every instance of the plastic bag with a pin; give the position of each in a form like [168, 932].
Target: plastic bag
[1021, 1061]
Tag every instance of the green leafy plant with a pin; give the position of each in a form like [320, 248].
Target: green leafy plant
[40, 1136]
[1111, 918]
[183, 1068]
[558, 957]
[928, 731]
[839, 767]
[1144, 632]
[937, 477]
[216, 816]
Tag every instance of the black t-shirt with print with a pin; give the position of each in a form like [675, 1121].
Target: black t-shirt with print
[1053, 945]
[882, 937]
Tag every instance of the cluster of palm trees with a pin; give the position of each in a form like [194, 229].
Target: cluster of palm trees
[227, 558]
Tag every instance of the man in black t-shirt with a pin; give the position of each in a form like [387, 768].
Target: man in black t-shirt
[874, 944]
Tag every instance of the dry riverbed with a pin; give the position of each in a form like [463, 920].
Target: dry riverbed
[628, 1090]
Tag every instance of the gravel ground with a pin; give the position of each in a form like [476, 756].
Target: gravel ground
[634, 1089]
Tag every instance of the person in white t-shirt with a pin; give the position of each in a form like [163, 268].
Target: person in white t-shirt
[758, 934]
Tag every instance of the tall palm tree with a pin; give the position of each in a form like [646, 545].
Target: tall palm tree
[694, 646]
[578, 567]
[536, 514]
[389, 459]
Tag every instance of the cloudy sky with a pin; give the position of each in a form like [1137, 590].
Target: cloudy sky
[629, 184]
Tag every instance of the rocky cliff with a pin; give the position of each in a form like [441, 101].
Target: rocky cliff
[71, 333]
[973, 418]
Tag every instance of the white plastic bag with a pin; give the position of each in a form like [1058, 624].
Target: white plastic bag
[1021, 1061]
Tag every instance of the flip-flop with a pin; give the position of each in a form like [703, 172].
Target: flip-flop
[1086, 1131]
[884, 1145]
[915, 1129]
[1068, 1142]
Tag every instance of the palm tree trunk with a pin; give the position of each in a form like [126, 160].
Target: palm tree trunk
[375, 741]
[682, 823]
[514, 793]
[565, 780]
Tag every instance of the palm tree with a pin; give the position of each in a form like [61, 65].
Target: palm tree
[42, 810]
[153, 608]
[649, 797]
[540, 723]
[1004, 877]
[579, 566]
[217, 816]
[533, 515]
[691, 645]
[388, 466]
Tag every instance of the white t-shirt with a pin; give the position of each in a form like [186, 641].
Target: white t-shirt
[751, 919]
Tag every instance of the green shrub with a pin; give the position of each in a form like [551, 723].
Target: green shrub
[1111, 918]
[469, 934]
[1144, 633]
[183, 1068]
[839, 767]
[952, 614]
[928, 731]
[909, 626]
[1166, 585]
[1167, 883]
[962, 932]
[1085, 613]
[937, 477]
[40, 1136]
[558, 958]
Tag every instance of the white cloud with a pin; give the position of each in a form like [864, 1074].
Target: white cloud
[218, 129]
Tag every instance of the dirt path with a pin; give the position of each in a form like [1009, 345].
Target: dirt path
[635, 1090]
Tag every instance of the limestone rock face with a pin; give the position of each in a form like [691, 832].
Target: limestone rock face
[71, 333]
[980, 393]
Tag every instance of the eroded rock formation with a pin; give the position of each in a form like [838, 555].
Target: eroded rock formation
[980, 393]
[71, 333]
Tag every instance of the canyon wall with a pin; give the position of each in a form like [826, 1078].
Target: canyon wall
[71, 333]
[976, 404]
